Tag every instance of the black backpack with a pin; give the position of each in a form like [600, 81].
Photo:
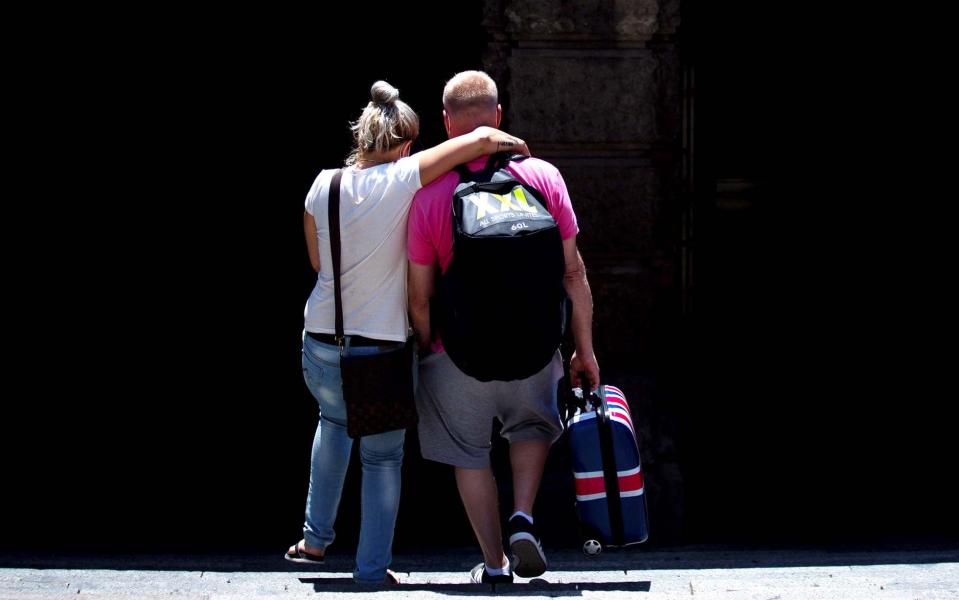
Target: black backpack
[501, 305]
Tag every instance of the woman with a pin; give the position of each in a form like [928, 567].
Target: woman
[376, 191]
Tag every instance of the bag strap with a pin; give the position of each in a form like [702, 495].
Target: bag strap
[614, 502]
[334, 218]
[494, 163]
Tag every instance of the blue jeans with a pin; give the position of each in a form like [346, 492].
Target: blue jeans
[381, 456]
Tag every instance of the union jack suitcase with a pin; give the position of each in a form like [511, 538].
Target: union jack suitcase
[610, 498]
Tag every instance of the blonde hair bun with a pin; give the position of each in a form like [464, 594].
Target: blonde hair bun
[384, 93]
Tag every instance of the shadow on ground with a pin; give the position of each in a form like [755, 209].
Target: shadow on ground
[463, 559]
[536, 587]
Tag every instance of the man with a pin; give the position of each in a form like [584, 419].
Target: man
[456, 410]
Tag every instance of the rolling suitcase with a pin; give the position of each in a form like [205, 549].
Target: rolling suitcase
[610, 495]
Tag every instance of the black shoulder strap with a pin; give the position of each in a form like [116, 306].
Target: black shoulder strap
[464, 173]
[610, 473]
[495, 162]
[334, 218]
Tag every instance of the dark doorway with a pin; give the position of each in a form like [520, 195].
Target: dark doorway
[808, 412]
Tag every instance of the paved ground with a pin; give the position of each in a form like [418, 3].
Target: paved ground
[680, 573]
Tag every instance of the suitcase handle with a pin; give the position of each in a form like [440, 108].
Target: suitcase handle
[579, 399]
[595, 398]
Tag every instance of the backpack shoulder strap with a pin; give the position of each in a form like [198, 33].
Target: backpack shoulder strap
[464, 173]
[495, 162]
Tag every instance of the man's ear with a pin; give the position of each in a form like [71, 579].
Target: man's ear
[446, 122]
[499, 115]
[407, 146]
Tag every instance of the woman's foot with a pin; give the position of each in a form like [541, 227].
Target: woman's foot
[304, 554]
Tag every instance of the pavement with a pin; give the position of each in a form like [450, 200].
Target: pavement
[688, 573]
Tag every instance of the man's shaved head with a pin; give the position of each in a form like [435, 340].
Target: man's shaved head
[469, 101]
[470, 91]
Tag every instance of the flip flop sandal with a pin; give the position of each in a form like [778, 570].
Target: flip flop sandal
[300, 556]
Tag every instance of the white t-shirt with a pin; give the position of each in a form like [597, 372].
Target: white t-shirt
[374, 206]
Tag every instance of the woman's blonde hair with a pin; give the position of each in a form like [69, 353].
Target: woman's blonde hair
[386, 122]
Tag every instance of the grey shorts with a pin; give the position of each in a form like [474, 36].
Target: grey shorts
[456, 411]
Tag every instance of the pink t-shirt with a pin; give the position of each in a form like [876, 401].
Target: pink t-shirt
[430, 228]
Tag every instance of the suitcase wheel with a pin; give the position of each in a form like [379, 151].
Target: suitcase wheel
[592, 548]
